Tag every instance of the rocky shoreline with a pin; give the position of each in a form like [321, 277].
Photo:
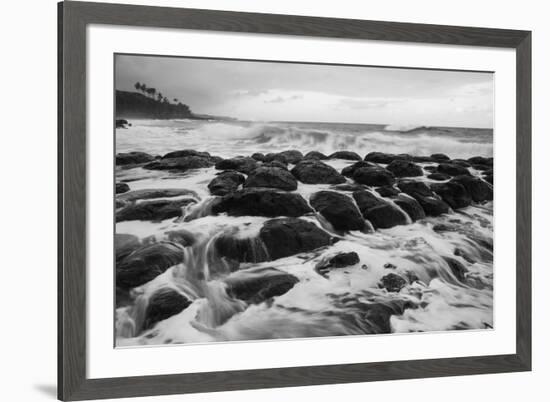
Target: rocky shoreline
[376, 192]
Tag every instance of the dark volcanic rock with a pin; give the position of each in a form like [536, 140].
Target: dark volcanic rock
[393, 282]
[432, 205]
[338, 209]
[315, 155]
[452, 169]
[261, 202]
[439, 176]
[121, 188]
[291, 156]
[180, 164]
[133, 158]
[452, 193]
[146, 194]
[403, 168]
[430, 168]
[258, 157]
[349, 187]
[440, 157]
[146, 263]
[181, 236]
[121, 123]
[488, 178]
[275, 163]
[379, 212]
[186, 152]
[163, 304]
[460, 162]
[458, 270]
[477, 188]
[225, 183]
[152, 210]
[347, 155]
[410, 206]
[272, 177]
[125, 244]
[374, 176]
[288, 236]
[312, 171]
[480, 160]
[349, 170]
[235, 248]
[259, 285]
[340, 260]
[387, 191]
[240, 164]
[380, 157]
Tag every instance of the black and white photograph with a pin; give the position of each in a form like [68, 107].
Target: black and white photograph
[259, 200]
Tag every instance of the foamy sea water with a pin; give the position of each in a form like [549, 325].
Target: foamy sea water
[316, 305]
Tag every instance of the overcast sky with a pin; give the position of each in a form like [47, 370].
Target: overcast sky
[301, 92]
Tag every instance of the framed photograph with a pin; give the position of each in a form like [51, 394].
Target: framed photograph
[257, 201]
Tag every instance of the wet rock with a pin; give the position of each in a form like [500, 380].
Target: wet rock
[480, 160]
[272, 177]
[146, 263]
[410, 206]
[291, 156]
[431, 205]
[347, 155]
[340, 260]
[235, 248]
[258, 157]
[348, 187]
[462, 253]
[315, 155]
[452, 169]
[133, 158]
[452, 193]
[488, 178]
[389, 265]
[158, 210]
[393, 282]
[373, 176]
[379, 212]
[380, 157]
[289, 236]
[123, 298]
[241, 164]
[261, 202]
[276, 163]
[181, 236]
[478, 189]
[387, 191]
[403, 168]
[439, 176]
[442, 228]
[460, 162]
[125, 244]
[121, 188]
[225, 183]
[440, 157]
[121, 123]
[316, 172]
[458, 270]
[259, 285]
[430, 168]
[338, 209]
[180, 164]
[378, 314]
[146, 194]
[163, 304]
[186, 152]
[349, 170]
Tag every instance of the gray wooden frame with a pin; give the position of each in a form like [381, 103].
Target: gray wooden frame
[73, 17]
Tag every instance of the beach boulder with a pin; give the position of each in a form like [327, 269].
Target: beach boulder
[157, 210]
[313, 171]
[163, 304]
[261, 202]
[338, 209]
[453, 193]
[225, 182]
[121, 188]
[315, 155]
[404, 168]
[181, 164]
[258, 285]
[453, 169]
[393, 282]
[243, 164]
[381, 213]
[432, 205]
[186, 152]
[272, 177]
[478, 189]
[380, 157]
[373, 176]
[347, 155]
[349, 170]
[410, 206]
[439, 176]
[146, 263]
[289, 236]
[439, 157]
[133, 158]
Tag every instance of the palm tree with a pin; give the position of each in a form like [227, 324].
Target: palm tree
[143, 88]
[137, 86]
[151, 92]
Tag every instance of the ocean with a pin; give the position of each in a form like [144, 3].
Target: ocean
[347, 301]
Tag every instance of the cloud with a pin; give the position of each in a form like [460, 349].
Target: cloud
[362, 104]
[282, 99]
